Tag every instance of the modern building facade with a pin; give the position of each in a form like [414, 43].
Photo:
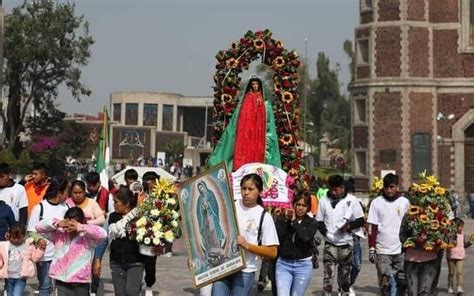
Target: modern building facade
[413, 93]
[144, 123]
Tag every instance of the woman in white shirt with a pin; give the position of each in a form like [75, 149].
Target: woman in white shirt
[251, 218]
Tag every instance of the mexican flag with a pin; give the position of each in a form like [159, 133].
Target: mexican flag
[103, 153]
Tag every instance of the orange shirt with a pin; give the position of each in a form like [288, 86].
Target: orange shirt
[35, 194]
[314, 204]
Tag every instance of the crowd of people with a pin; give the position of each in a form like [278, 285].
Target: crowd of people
[58, 231]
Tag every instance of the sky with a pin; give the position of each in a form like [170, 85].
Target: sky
[170, 45]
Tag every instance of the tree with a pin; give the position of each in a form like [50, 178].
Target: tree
[45, 47]
[352, 58]
[175, 148]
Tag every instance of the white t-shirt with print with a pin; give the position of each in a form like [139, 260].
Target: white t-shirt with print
[248, 220]
[346, 210]
[50, 211]
[388, 215]
[15, 196]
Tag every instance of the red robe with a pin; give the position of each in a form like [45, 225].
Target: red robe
[251, 128]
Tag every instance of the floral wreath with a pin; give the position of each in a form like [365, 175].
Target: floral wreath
[284, 64]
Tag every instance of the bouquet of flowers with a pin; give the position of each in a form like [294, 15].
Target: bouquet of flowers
[429, 217]
[157, 220]
[376, 187]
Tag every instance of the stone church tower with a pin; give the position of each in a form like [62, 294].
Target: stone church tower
[413, 94]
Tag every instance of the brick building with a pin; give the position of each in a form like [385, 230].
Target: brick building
[413, 94]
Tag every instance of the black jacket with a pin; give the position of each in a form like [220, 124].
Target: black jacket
[123, 250]
[300, 247]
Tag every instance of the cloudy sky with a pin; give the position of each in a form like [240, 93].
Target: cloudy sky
[169, 45]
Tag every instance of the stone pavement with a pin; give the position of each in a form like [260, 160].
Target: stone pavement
[173, 277]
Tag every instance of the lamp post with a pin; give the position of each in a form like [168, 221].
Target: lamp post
[305, 92]
[444, 121]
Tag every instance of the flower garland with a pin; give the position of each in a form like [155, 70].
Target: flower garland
[284, 63]
[157, 220]
[429, 217]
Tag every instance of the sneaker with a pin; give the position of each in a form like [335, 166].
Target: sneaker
[37, 292]
[460, 290]
[261, 286]
[450, 290]
[148, 292]
[167, 255]
[352, 292]
[92, 294]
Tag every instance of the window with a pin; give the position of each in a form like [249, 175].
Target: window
[359, 111]
[131, 114]
[467, 25]
[420, 154]
[150, 113]
[365, 5]
[167, 117]
[360, 164]
[363, 51]
[117, 112]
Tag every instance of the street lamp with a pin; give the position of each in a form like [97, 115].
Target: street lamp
[440, 138]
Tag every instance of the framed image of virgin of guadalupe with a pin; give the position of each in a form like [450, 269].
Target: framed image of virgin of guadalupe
[210, 226]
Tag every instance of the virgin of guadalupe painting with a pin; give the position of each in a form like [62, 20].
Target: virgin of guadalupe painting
[210, 226]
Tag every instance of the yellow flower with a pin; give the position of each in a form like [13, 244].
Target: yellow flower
[287, 139]
[424, 188]
[226, 98]
[445, 221]
[415, 187]
[278, 62]
[434, 225]
[287, 97]
[428, 247]
[258, 43]
[444, 246]
[276, 87]
[408, 244]
[156, 227]
[413, 210]
[156, 241]
[155, 212]
[141, 222]
[440, 190]
[232, 63]
[431, 181]
[423, 218]
[433, 208]
[169, 236]
[163, 186]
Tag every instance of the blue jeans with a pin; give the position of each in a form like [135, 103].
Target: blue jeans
[16, 287]
[44, 280]
[356, 259]
[393, 286]
[293, 276]
[237, 284]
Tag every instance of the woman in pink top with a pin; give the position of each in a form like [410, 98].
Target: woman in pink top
[455, 258]
[74, 244]
[92, 211]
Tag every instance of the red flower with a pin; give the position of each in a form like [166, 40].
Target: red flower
[286, 83]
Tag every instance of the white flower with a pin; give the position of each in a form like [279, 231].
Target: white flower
[157, 226]
[139, 238]
[175, 214]
[141, 222]
[155, 212]
[156, 241]
[147, 240]
[174, 223]
[158, 234]
[169, 236]
[141, 231]
[171, 201]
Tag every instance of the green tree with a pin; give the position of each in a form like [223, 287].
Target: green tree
[348, 49]
[175, 148]
[46, 45]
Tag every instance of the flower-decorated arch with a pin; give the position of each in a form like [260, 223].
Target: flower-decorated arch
[284, 63]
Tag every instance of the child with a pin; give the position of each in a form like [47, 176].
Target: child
[455, 258]
[17, 259]
[74, 243]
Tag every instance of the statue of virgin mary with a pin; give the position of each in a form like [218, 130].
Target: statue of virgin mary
[250, 135]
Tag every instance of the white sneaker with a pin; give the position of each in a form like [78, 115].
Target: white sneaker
[460, 290]
[352, 292]
[169, 254]
[92, 294]
[148, 292]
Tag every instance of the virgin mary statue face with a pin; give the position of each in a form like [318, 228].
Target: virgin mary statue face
[255, 86]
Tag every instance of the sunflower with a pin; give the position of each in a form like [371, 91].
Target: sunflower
[226, 98]
[434, 225]
[287, 97]
[444, 246]
[424, 188]
[428, 247]
[408, 244]
[277, 87]
[293, 172]
[413, 210]
[232, 63]
[445, 222]
[278, 44]
[433, 208]
[287, 139]
[278, 62]
[423, 218]
[440, 190]
[258, 44]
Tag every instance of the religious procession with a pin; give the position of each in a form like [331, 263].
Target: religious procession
[274, 183]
